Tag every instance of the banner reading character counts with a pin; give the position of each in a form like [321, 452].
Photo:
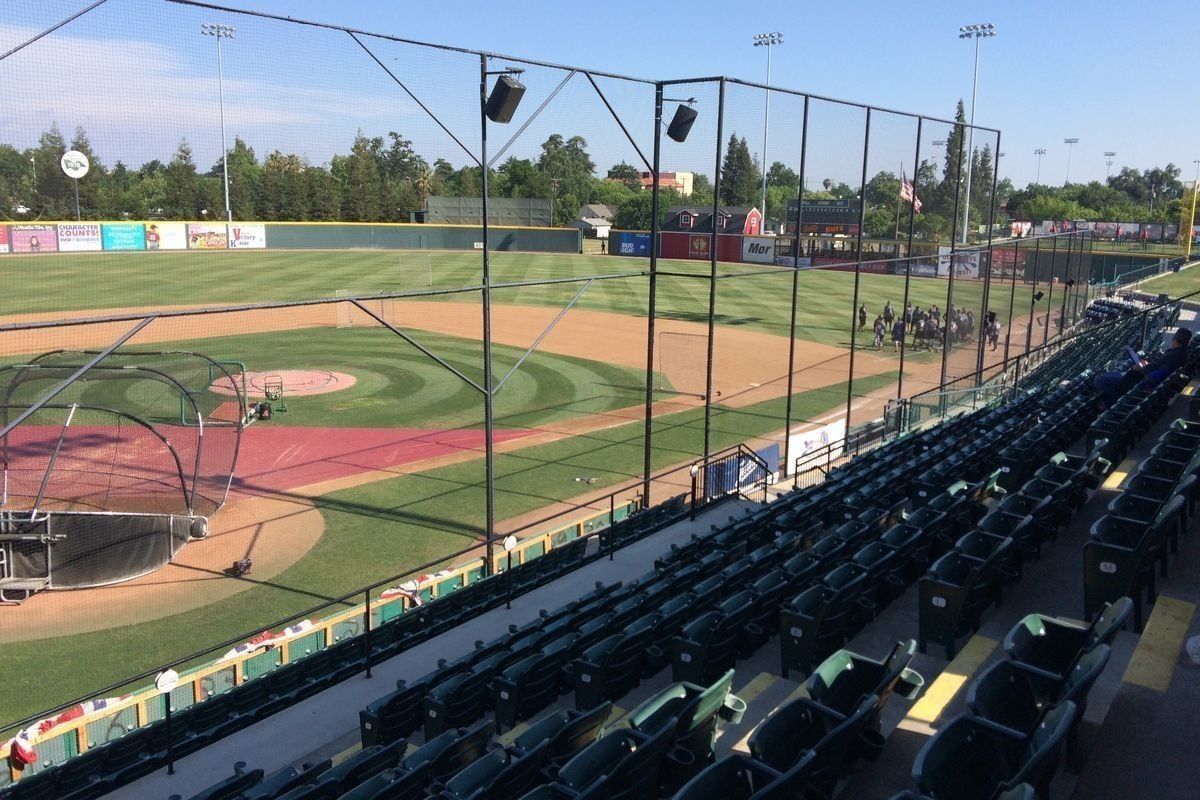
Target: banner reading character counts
[75, 237]
[207, 237]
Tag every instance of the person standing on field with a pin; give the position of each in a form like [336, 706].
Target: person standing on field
[862, 317]
[889, 314]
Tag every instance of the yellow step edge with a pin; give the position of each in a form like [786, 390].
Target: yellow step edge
[1157, 652]
[1114, 480]
[953, 678]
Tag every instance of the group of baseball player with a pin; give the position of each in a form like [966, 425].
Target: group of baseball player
[929, 327]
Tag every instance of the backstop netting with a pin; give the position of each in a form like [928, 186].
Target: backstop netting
[106, 480]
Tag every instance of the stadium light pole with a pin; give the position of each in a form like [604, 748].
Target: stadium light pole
[1070, 143]
[1039, 152]
[220, 32]
[1108, 155]
[767, 40]
[976, 32]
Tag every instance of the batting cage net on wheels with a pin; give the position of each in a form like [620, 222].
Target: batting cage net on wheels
[108, 469]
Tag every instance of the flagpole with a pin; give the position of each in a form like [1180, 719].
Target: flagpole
[899, 195]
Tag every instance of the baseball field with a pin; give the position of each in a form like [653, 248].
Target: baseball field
[382, 469]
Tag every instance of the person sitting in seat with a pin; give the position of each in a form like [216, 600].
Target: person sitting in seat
[1149, 374]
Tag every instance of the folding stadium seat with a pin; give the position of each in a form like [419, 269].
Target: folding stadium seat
[763, 621]
[691, 712]
[839, 685]
[612, 667]
[802, 726]
[230, 788]
[999, 526]
[955, 592]
[621, 765]
[667, 625]
[361, 766]
[968, 760]
[1119, 558]
[876, 560]
[531, 684]
[1021, 792]
[285, 780]
[709, 644]
[1050, 647]
[464, 696]
[564, 732]
[911, 558]
[1015, 699]
[497, 775]
[738, 777]
[816, 622]
[445, 755]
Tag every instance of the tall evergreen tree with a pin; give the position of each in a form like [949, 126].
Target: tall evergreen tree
[740, 178]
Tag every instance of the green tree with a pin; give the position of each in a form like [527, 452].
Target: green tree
[361, 185]
[740, 178]
[52, 192]
[182, 197]
[635, 213]
[627, 174]
[781, 174]
[567, 165]
[322, 191]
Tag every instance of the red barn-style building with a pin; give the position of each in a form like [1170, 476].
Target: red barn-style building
[687, 231]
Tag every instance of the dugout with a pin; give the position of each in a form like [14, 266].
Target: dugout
[109, 468]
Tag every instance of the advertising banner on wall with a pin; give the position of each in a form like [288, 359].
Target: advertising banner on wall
[1020, 229]
[792, 261]
[247, 237]
[629, 243]
[206, 236]
[123, 236]
[808, 443]
[33, 239]
[698, 246]
[3, 238]
[75, 237]
[166, 236]
[758, 249]
[965, 263]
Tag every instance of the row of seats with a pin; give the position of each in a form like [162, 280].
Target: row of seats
[971, 577]
[1104, 309]
[1024, 712]
[142, 750]
[804, 747]
[1135, 538]
[705, 605]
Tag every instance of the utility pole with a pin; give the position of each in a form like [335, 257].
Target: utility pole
[220, 32]
[976, 32]
[767, 40]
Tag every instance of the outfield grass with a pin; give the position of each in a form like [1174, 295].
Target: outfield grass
[379, 529]
[86, 282]
[1175, 284]
[396, 387]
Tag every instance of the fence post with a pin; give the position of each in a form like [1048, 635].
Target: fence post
[612, 524]
[367, 627]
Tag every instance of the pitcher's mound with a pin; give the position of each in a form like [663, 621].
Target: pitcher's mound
[296, 382]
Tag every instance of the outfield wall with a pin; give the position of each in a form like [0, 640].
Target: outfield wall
[79, 237]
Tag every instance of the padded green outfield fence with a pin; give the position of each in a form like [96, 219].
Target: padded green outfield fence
[399, 236]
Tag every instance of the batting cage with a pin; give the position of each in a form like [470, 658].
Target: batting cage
[111, 463]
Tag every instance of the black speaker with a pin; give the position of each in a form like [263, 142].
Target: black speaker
[681, 125]
[505, 97]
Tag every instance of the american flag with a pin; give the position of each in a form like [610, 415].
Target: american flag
[908, 194]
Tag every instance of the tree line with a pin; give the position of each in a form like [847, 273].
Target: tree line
[384, 179]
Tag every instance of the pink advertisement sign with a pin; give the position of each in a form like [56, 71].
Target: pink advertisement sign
[3, 238]
[33, 238]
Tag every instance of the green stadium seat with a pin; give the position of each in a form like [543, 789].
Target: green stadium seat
[230, 788]
[1051, 647]
[1013, 698]
[817, 621]
[803, 726]
[497, 775]
[530, 684]
[621, 765]
[611, 668]
[737, 777]
[843, 680]
[565, 732]
[285, 780]
[968, 760]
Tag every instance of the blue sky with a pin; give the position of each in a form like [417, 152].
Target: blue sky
[135, 74]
